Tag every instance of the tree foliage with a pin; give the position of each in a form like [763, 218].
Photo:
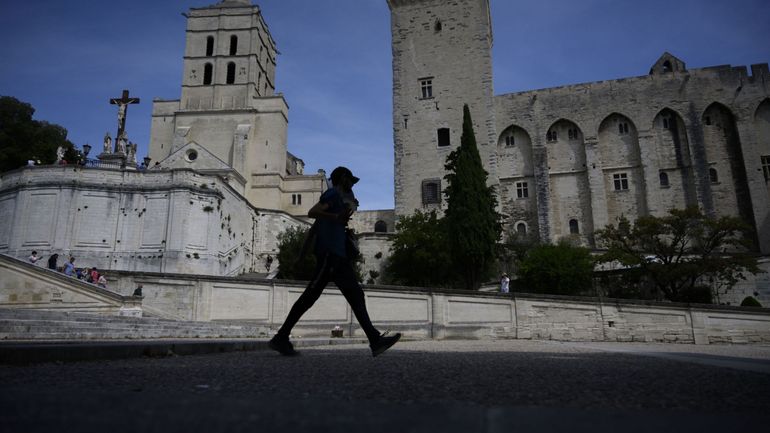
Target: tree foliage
[472, 222]
[420, 253]
[562, 269]
[291, 265]
[23, 139]
[682, 251]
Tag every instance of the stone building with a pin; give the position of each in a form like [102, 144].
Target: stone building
[229, 120]
[566, 161]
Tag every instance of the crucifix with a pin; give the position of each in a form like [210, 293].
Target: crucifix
[122, 104]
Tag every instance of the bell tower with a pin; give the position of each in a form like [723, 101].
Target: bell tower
[442, 59]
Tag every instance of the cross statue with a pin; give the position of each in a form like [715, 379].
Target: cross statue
[122, 104]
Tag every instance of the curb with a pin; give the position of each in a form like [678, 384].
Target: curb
[26, 353]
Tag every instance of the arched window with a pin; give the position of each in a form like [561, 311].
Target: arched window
[208, 72]
[713, 175]
[521, 229]
[210, 46]
[667, 66]
[664, 180]
[438, 26]
[233, 45]
[380, 227]
[574, 228]
[231, 73]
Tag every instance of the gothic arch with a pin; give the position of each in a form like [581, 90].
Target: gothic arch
[763, 111]
[568, 174]
[514, 154]
[380, 227]
[621, 168]
[671, 154]
[724, 155]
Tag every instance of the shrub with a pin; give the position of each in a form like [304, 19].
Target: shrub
[750, 301]
[561, 269]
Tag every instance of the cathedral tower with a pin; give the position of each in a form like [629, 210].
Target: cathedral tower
[442, 59]
[229, 121]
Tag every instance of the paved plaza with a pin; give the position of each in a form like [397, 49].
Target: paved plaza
[441, 386]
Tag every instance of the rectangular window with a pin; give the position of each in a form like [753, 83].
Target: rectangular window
[431, 191]
[299, 199]
[426, 87]
[621, 181]
[443, 137]
[766, 167]
[522, 189]
[509, 141]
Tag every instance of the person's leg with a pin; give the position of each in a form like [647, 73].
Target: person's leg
[345, 278]
[308, 297]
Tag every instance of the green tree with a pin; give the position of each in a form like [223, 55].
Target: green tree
[23, 139]
[420, 253]
[291, 265]
[472, 221]
[682, 251]
[562, 269]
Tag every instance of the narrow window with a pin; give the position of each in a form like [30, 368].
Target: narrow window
[431, 192]
[208, 71]
[667, 66]
[509, 141]
[551, 136]
[231, 73]
[713, 175]
[621, 181]
[572, 134]
[233, 45]
[380, 227]
[438, 26]
[406, 123]
[522, 189]
[443, 137]
[666, 123]
[766, 167]
[623, 128]
[299, 199]
[708, 120]
[664, 180]
[574, 228]
[426, 88]
[210, 46]
[521, 228]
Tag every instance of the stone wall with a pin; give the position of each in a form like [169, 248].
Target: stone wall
[441, 314]
[638, 146]
[177, 221]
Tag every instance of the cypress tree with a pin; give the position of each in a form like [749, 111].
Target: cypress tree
[472, 220]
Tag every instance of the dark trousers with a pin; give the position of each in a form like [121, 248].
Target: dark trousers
[339, 270]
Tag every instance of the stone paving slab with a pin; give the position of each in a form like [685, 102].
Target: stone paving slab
[33, 352]
[418, 386]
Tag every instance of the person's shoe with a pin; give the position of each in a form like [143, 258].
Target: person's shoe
[384, 343]
[282, 346]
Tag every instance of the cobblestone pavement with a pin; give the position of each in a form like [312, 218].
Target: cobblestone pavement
[441, 386]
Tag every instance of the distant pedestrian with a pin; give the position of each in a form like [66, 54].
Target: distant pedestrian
[69, 268]
[33, 258]
[94, 275]
[52, 262]
[333, 264]
[268, 262]
[102, 282]
[504, 282]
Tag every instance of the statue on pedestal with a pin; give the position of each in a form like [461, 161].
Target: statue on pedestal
[59, 154]
[122, 144]
[131, 157]
[107, 143]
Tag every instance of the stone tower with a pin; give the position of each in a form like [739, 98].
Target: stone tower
[229, 121]
[442, 59]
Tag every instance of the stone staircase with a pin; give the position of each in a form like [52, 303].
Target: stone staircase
[46, 325]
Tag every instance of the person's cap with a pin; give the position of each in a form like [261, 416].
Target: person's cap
[339, 172]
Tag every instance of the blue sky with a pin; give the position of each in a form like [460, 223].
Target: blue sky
[67, 58]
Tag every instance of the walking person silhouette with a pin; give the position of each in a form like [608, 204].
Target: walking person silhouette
[333, 264]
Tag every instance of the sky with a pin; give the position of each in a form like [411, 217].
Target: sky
[68, 58]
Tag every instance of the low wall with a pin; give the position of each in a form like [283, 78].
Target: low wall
[441, 314]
